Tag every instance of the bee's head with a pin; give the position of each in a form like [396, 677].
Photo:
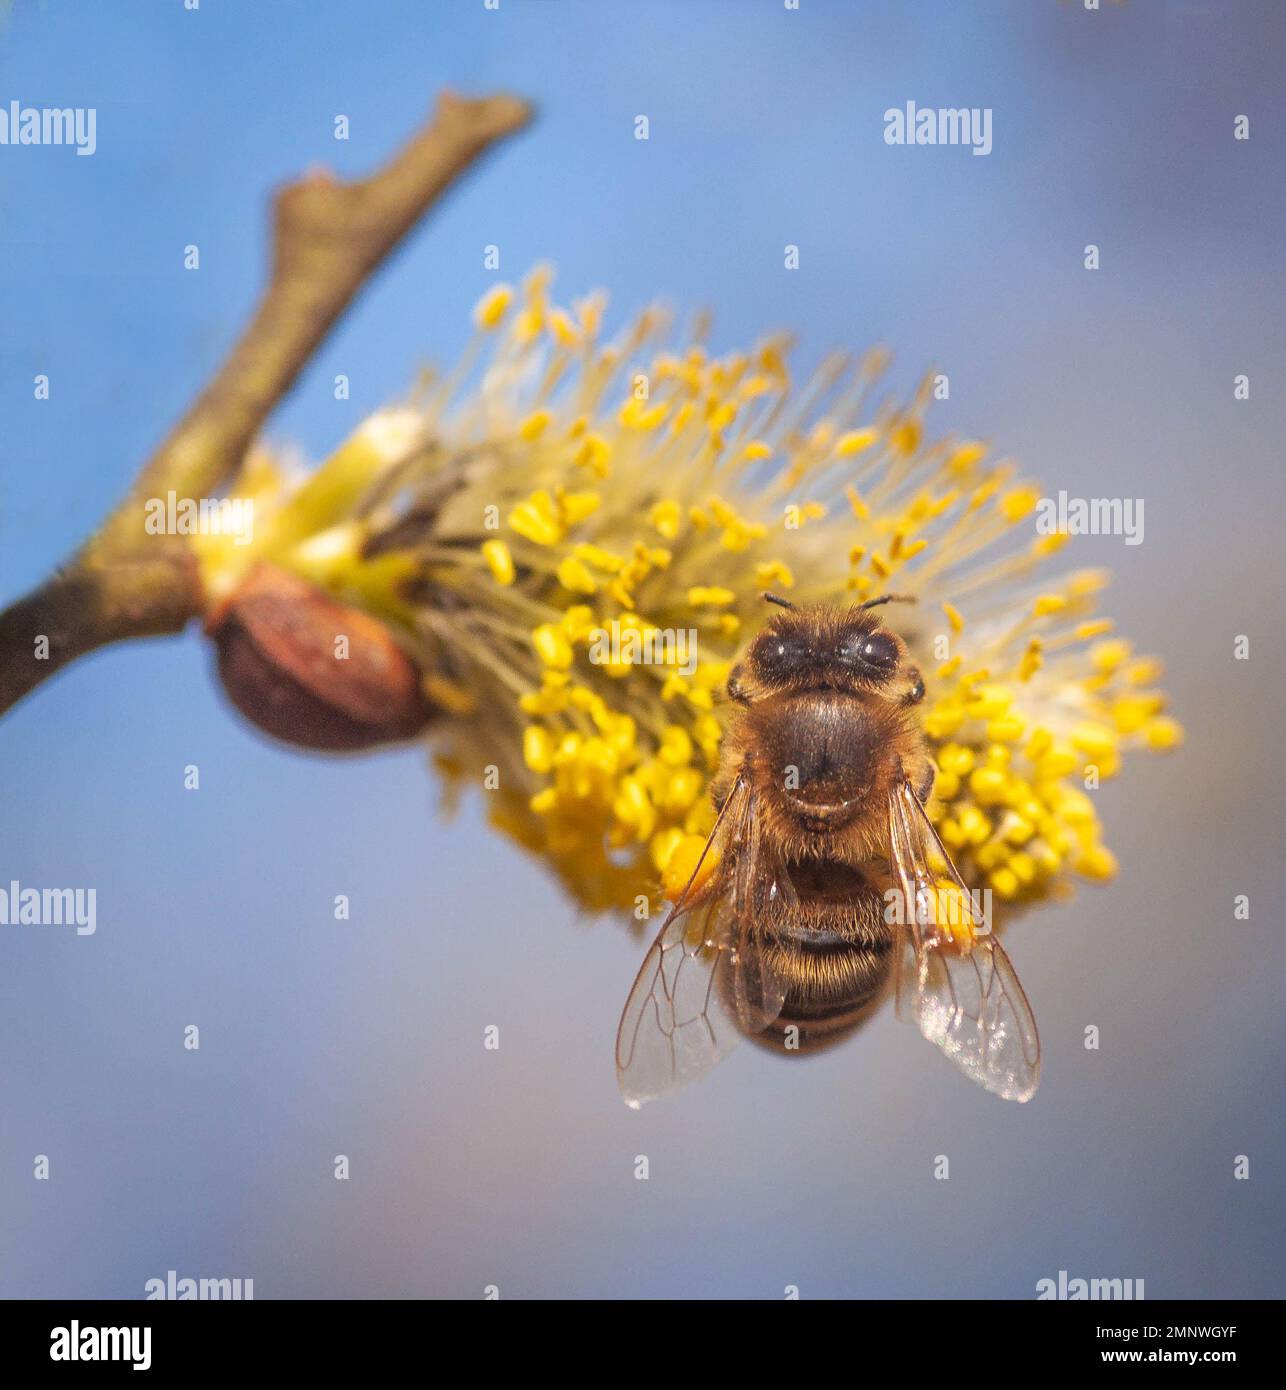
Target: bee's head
[842, 649]
[828, 692]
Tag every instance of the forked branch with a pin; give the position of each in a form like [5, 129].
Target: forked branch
[328, 237]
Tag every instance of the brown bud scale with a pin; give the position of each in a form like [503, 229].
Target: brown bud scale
[279, 663]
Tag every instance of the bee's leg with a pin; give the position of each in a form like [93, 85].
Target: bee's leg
[922, 781]
[726, 779]
[720, 790]
[915, 693]
[920, 772]
[735, 690]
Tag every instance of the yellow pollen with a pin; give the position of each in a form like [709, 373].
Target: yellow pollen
[499, 561]
[493, 306]
[534, 425]
[574, 574]
[709, 596]
[855, 442]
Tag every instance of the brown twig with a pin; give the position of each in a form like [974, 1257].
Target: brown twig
[328, 237]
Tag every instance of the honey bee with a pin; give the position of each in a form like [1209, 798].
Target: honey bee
[828, 878]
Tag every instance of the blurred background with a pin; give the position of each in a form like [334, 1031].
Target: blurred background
[516, 1168]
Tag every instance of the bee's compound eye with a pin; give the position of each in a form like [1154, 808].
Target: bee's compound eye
[776, 656]
[876, 651]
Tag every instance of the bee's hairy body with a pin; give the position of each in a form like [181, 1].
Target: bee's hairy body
[823, 742]
[823, 879]
[834, 950]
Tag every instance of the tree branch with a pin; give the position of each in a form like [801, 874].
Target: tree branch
[328, 237]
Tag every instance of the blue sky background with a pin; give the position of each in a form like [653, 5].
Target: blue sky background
[516, 1168]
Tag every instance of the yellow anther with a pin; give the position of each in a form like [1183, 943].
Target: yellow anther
[499, 561]
[552, 646]
[573, 574]
[534, 425]
[855, 442]
[537, 748]
[493, 306]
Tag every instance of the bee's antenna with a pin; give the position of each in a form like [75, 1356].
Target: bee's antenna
[778, 600]
[884, 598]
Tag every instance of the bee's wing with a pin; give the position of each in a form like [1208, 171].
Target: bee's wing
[964, 999]
[705, 980]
